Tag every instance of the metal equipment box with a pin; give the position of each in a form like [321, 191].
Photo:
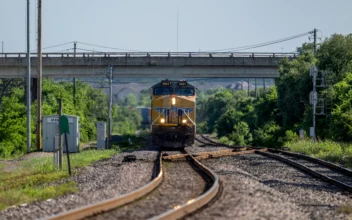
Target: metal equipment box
[101, 135]
[51, 133]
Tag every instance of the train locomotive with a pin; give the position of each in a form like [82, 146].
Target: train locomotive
[173, 114]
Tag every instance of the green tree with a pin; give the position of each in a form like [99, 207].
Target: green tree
[342, 113]
[335, 53]
[241, 134]
[131, 100]
[227, 120]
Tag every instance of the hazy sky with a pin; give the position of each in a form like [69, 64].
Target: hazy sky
[151, 25]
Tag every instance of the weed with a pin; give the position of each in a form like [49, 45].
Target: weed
[2, 166]
[326, 150]
[34, 193]
[31, 180]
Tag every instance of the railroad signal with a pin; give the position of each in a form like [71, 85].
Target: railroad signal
[313, 98]
[64, 128]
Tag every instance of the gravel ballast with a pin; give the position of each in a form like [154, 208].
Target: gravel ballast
[101, 180]
[258, 187]
[181, 183]
[332, 173]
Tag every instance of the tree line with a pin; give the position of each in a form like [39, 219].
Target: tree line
[90, 105]
[276, 117]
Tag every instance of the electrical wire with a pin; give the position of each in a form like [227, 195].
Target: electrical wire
[94, 51]
[58, 45]
[63, 50]
[261, 44]
[114, 48]
[234, 49]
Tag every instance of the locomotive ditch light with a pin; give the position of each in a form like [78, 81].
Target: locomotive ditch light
[184, 121]
[173, 101]
[162, 120]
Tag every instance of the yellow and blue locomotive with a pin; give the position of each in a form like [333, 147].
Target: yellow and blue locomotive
[173, 114]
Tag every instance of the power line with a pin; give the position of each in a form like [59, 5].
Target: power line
[261, 44]
[58, 45]
[63, 50]
[95, 51]
[114, 48]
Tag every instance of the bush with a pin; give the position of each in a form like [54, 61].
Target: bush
[290, 136]
[326, 150]
[240, 134]
[268, 136]
[6, 149]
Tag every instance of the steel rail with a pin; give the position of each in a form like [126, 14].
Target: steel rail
[274, 154]
[213, 143]
[226, 154]
[113, 203]
[193, 204]
[212, 154]
[307, 170]
[316, 160]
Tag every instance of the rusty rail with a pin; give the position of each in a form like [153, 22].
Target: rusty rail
[193, 204]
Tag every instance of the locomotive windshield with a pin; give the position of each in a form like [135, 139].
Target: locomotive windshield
[162, 91]
[184, 91]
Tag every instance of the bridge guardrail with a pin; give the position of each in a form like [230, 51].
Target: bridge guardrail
[153, 54]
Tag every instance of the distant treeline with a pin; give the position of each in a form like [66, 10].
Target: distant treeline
[276, 116]
[91, 106]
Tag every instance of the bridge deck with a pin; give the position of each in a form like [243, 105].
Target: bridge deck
[144, 65]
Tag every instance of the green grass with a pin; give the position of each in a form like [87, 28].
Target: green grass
[33, 179]
[137, 143]
[2, 166]
[326, 150]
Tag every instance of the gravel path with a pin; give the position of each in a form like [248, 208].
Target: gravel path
[102, 180]
[181, 183]
[258, 187]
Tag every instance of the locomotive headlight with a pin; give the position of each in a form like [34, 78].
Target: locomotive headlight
[162, 120]
[173, 101]
[184, 121]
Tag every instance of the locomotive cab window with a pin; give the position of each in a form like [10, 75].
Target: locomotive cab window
[184, 91]
[162, 91]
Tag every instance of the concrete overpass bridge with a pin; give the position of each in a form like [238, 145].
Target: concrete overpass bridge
[147, 65]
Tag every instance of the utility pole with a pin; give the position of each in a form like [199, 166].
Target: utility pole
[110, 107]
[315, 41]
[177, 32]
[60, 138]
[2, 47]
[315, 72]
[74, 78]
[39, 83]
[28, 75]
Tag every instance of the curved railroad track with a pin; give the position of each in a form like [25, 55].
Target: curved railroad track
[106, 209]
[329, 172]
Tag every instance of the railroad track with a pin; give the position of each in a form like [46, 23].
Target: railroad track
[102, 210]
[320, 169]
